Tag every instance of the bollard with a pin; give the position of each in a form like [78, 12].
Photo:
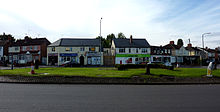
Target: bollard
[209, 69]
[32, 68]
[148, 69]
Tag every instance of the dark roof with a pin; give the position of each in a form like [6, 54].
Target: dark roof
[136, 43]
[192, 49]
[171, 46]
[159, 47]
[76, 42]
[29, 41]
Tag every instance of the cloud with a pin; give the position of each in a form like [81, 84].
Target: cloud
[159, 21]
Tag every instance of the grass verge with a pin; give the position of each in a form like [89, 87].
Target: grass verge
[109, 72]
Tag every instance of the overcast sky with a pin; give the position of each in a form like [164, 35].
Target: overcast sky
[159, 21]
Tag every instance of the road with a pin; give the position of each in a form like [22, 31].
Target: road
[109, 98]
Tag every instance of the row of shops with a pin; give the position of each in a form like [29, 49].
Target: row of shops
[87, 59]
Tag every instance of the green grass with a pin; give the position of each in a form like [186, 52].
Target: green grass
[109, 72]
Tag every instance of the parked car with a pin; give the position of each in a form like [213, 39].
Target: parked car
[70, 64]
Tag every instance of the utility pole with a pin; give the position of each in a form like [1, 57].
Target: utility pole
[100, 34]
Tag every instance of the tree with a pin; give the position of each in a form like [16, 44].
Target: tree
[5, 37]
[110, 37]
[103, 42]
[180, 42]
[121, 35]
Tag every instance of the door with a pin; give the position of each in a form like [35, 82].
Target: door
[81, 60]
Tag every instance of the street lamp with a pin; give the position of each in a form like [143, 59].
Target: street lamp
[203, 42]
[203, 38]
[100, 34]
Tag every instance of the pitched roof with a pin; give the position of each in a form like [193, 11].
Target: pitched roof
[76, 42]
[34, 41]
[171, 46]
[136, 43]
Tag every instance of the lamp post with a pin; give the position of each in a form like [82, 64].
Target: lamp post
[12, 61]
[203, 41]
[100, 34]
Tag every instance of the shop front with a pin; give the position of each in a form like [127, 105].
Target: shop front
[53, 58]
[161, 59]
[71, 57]
[93, 58]
[132, 58]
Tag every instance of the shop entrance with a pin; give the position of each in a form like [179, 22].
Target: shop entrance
[81, 60]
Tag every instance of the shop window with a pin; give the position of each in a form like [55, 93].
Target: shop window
[121, 50]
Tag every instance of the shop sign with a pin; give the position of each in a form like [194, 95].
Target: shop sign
[68, 54]
[93, 54]
[53, 54]
[133, 55]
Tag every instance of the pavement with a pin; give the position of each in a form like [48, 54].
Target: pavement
[109, 98]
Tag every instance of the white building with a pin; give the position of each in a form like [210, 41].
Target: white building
[79, 51]
[130, 51]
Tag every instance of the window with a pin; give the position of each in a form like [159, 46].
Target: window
[92, 49]
[24, 48]
[35, 48]
[82, 49]
[169, 51]
[31, 48]
[144, 50]
[16, 48]
[53, 49]
[136, 50]
[121, 50]
[68, 49]
[165, 50]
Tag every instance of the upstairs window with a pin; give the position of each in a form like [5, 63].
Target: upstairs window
[82, 49]
[92, 49]
[31, 48]
[35, 48]
[144, 50]
[68, 49]
[16, 48]
[136, 50]
[24, 48]
[165, 50]
[168, 51]
[53, 49]
[121, 50]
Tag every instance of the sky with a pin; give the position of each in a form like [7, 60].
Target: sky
[158, 21]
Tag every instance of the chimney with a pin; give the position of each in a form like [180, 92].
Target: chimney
[172, 42]
[131, 39]
[189, 45]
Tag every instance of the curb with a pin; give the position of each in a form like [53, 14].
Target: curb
[106, 80]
